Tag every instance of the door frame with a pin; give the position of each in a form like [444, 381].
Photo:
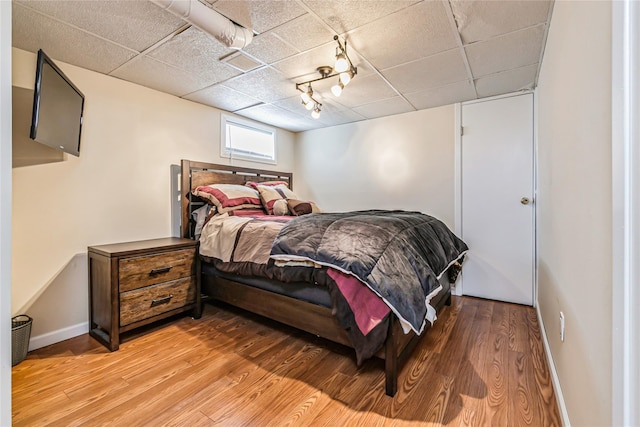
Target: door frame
[5, 212]
[625, 153]
[458, 288]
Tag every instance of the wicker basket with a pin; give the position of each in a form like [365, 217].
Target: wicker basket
[20, 335]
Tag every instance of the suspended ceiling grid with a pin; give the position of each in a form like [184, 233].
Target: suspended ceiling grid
[410, 55]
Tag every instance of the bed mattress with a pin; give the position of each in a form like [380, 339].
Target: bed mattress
[308, 292]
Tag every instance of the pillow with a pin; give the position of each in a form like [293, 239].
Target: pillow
[229, 197]
[269, 194]
[298, 207]
[253, 184]
[280, 207]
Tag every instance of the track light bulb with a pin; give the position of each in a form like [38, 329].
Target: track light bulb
[341, 63]
[316, 112]
[308, 105]
[345, 78]
[306, 96]
[337, 88]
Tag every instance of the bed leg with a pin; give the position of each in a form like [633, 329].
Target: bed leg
[448, 300]
[391, 360]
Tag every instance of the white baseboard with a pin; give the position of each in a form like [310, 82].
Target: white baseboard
[564, 415]
[59, 335]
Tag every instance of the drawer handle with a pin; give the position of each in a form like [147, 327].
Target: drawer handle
[162, 300]
[160, 270]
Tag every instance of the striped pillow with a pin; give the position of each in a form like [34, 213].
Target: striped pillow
[254, 184]
[229, 197]
[269, 194]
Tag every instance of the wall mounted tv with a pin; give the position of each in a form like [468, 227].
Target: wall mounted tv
[57, 108]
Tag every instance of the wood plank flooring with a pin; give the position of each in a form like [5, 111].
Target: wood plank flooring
[481, 364]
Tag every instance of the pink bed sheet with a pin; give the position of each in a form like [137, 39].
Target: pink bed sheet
[367, 307]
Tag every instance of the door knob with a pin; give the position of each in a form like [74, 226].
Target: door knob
[525, 200]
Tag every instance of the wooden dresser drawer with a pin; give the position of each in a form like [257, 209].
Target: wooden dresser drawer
[147, 302]
[143, 271]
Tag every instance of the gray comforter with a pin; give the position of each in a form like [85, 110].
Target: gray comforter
[399, 255]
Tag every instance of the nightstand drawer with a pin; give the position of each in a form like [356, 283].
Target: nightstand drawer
[143, 271]
[147, 302]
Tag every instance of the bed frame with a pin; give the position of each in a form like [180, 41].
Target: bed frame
[303, 315]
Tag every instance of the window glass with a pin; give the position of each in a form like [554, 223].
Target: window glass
[247, 140]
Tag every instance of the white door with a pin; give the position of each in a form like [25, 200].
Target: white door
[497, 208]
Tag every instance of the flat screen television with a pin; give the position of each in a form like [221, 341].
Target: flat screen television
[57, 108]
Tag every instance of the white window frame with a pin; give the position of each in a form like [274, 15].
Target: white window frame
[247, 124]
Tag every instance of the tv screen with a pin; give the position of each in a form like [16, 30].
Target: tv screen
[57, 108]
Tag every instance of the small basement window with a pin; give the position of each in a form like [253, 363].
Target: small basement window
[247, 140]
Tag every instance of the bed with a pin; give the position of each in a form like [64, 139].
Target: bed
[248, 260]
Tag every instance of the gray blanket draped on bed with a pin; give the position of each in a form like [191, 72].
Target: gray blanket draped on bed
[399, 255]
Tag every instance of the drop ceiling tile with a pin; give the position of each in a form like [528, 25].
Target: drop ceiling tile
[133, 24]
[294, 105]
[345, 16]
[333, 103]
[332, 117]
[269, 48]
[385, 107]
[196, 52]
[303, 66]
[481, 20]
[157, 75]
[412, 33]
[260, 16]
[436, 70]
[332, 112]
[513, 50]
[265, 84]
[278, 117]
[242, 62]
[507, 81]
[32, 31]
[304, 33]
[443, 95]
[364, 90]
[222, 97]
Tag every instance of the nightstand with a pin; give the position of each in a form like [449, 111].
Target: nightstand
[136, 283]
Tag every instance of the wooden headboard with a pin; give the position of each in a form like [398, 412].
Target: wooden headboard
[194, 174]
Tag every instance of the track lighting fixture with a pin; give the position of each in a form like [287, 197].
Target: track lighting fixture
[343, 69]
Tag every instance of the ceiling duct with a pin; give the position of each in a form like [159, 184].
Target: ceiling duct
[209, 21]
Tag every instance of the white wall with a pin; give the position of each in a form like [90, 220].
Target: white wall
[398, 162]
[119, 189]
[5, 213]
[574, 205]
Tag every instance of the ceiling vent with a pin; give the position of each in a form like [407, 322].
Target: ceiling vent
[240, 61]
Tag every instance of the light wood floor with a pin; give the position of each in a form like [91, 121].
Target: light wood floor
[481, 364]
